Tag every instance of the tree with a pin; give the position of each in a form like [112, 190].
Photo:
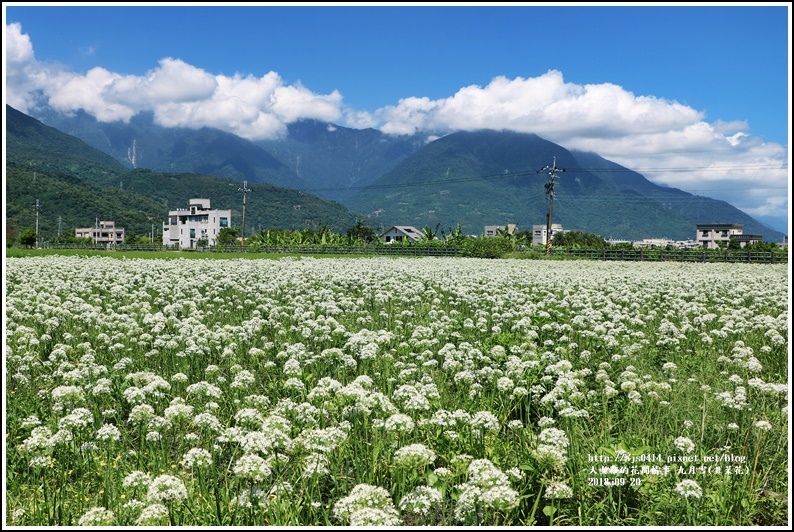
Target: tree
[131, 237]
[734, 244]
[762, 246]
[524, 237]
[579, 240]
[227, 236]
[28, 237]
[429, 234]
[11, 235]
[455, 236]
[487, 248]
[508, 235]
[361, 233]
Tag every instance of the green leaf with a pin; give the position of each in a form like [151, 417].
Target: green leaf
[641, 450]
[607, 451]
[549, 510]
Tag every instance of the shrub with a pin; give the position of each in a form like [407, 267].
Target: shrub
[487, 248]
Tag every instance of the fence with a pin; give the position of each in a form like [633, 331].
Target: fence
[109, 247]
[425, 251]
[654, 255]
[416, 251]
[676, 255]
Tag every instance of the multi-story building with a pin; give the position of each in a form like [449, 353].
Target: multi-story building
[186, 227]
[102, 233]
[496, 230]
[539, 233]
[745, 239]
[708, 235]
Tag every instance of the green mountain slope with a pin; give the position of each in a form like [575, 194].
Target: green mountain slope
[75, 184]
[472, 178]
[493, 177]
[634, 188]
[143, 144]
[66, 202]
[333, 160]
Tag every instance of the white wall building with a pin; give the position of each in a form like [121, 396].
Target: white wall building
[495, 230]
[103, 233]
[539, 233]
[185, 227]
[398, 233]
[709, 234]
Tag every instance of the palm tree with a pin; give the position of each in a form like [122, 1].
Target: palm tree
[455, 236]
[430, 234]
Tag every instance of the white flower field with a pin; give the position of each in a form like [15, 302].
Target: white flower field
[395, 391]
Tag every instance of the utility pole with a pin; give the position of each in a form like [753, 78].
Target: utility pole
[549, 187]
[37, 206]
[59, 226]
[151, 220]
[245, 190]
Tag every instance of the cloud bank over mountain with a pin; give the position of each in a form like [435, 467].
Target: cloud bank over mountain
[668, 142]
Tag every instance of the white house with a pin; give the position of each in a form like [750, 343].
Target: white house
[103, 233]
[709, 234]
[185, 227]
[495, 230]
[399, 233]
[539, 233]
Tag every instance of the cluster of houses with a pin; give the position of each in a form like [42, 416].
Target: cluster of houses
[708, 236]
[185, 227]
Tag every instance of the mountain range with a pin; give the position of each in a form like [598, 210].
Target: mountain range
[76, 185]
[469, 178]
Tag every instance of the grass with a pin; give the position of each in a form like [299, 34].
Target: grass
[28, 252]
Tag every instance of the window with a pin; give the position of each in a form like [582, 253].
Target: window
[705, 233]
[224, 221]
[192, 233]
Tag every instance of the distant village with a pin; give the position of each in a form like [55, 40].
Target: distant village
[200, 225]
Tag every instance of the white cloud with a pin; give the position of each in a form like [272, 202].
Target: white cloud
[666, 141]
[173, 82]
[292, 103]
[21, 73]
[359, 119]
[18, 48]
[545, 105]
[179, 94]
[70, 92]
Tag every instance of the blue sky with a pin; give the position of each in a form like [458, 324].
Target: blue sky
[695, 97]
